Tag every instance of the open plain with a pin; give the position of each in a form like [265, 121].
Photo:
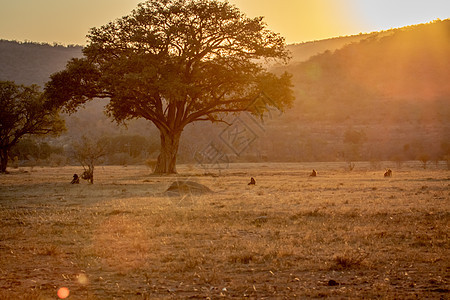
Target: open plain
[342, 234]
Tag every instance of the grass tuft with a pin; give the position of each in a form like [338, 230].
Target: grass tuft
[349, 261]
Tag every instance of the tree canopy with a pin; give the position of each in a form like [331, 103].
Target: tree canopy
[174, 62]
[24, 111]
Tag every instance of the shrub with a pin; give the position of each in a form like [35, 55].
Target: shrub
[57, 160]
[151, 164]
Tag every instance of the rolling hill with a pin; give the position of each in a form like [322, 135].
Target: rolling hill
[391, 85]
[31, 63]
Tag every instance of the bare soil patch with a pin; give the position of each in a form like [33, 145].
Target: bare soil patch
[339, 235]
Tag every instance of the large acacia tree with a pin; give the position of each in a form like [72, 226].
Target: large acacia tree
[175, 62]
[24, 111]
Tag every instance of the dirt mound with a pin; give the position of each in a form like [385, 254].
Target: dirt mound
[182, 187]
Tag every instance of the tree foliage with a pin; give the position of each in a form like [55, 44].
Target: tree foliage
[174, 62]
[24, 111]
[34, 149]
[133, 145]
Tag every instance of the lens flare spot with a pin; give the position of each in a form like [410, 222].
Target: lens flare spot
[82, 279]
[63, 293]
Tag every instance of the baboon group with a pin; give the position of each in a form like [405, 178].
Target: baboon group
[253, 181]
[388, 173]
[87, 176]
[76, 179]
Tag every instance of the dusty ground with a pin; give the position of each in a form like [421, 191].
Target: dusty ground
[340, 235]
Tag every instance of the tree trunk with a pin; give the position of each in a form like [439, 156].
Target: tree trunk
[91, 174]
[3, 159]
[167, 158]
[88, 174]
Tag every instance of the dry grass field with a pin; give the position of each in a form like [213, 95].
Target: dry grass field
[340, 235]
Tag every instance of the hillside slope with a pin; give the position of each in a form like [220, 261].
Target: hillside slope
[392, 87]
[409, 66]
[31, 63]
[304, 51]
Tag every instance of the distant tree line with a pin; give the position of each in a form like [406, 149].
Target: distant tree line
[352, 145]
[117, 150]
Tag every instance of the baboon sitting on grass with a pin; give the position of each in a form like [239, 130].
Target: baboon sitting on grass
[76, 179]
[252, 181]
[388, 173]
[313, 173]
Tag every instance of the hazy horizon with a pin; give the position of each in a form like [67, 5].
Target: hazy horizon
[68, 22]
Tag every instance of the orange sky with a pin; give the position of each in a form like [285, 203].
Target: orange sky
[305, 20]
[68, 21]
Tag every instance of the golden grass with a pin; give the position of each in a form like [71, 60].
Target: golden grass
[342, 234]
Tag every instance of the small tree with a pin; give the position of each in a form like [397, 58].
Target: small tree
[424, 158]
[445, 146]
[87, 152]
[398, 159]
[175, 62]
[24, 111]
[447, 159]
[353, 139]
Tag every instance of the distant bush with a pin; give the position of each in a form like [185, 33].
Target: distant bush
[57, 160]
[398, 160]
[120, 159]
[447, 159]
[35, 148]
[15, 162]
[151, 163]
[375, 164]
[424, 158]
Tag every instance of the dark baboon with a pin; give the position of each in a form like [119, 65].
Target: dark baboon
[75, 179]
[388, 173]
[252, 181]
[313, 173]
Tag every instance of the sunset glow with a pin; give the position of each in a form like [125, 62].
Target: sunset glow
[305, 20]
[68, 22]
